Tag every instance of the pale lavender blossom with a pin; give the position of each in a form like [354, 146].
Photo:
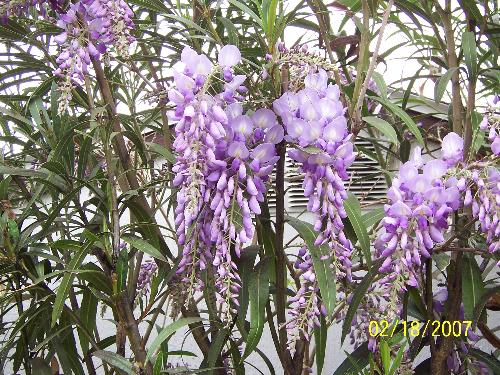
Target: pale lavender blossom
[222, 166]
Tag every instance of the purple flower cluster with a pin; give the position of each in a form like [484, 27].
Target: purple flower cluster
[146, 273]
[308, 307]
[417, 213]
[9, 8]
[316, 128]
[485, 202]
[491, 124]
[90, 28]
[315, 124]
[225, 157]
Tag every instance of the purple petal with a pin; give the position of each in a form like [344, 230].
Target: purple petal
[242, 124]
[264, 152]
[452, 148]
[336, 130]
[275, 134]
[229, 56]
[238, 150]
[264, 118]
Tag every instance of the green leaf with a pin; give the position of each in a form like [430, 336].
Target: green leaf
[231, 30]
[397, 360]
[352, 207]
[355, 361]
[393, 108]
[384, 127]
[442, 83]
[470, 53]
[144, 246]
[67, 280]
[373, 217]
[479, 307]
[492, 362]
[154, 5]
[115, 360]
[321, 262]
[358, 295]
[88, 314]
[259, 287]
[320, 337]
[158, 364]
[22, 172]
[216, 347]
[161, 150]
[472, 285]
[385, 356]
[379, 81]
[238, 4]
[166, 332]
[245, 264]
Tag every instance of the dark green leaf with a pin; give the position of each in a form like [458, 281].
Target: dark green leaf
[492, 362]
[393, 108]
[64, 287]
[384, 127]
[472, 285]
[358, 359]
[442, 83]
[144, 246]
[470, 54]
[479, 307]
[320, 337]
[321, 262]
[259, 287]
[352, 207]
[115, 360]
[166, 332]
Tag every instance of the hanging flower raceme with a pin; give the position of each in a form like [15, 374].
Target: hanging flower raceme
[307, 306]
[417, 214]
[315, 124]
[91, 27]
[16, 8]
[225, 157]
[147, 271]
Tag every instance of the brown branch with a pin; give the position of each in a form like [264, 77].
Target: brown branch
[122, 151]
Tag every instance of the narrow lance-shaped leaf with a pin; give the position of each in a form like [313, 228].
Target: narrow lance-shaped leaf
[259, 293]
[144, 246]
[472, 285]
[384, 127]
[353, 210]
[166, 332]
[442, 83]
[403, 116]
[64, 287]
[492, 362]
[115, 360]
[358, 295]
[355, 361]
[321, 262]
[478, 309]
[320, 336]
[470, 53]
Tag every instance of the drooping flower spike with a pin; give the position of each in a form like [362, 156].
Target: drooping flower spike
[318, 140]
[225, 157]
[16, 8]
[90, 29]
